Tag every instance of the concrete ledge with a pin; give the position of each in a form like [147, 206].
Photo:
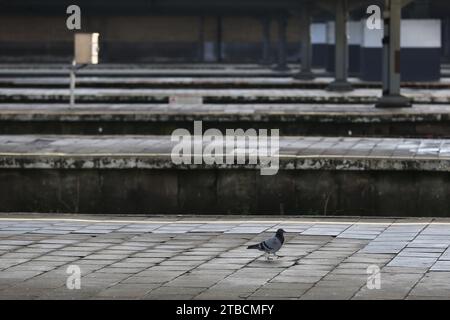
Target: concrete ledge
[154, 152]
[137, 71]
[240, 96]
[163, 161]
[421, 121]
[360, 113]
[134, 174]
[289, 82]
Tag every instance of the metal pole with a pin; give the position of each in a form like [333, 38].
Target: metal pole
[394, 46]
[72, 84]
[340, 29]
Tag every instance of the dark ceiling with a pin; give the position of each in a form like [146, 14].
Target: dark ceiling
[433, 8]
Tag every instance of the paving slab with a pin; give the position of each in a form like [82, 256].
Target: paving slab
[312, 266]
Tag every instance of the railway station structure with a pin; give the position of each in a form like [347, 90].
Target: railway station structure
[260, 31]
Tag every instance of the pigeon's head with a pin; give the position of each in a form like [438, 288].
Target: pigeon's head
[280, 232]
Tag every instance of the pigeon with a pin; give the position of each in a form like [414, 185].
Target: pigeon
[270, 246]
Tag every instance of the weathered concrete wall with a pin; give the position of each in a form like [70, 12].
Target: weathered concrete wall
[288, 126]
[370, 193]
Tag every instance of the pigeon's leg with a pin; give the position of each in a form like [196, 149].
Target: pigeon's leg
[266, 255]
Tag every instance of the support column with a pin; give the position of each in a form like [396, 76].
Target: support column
[391, 57]
[341, 49]
[446, 37]
[219, 39]
[201, 39]
[282, 26]
[266, 59]
[306, 49]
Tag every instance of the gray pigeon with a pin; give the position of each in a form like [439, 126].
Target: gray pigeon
[270, 246]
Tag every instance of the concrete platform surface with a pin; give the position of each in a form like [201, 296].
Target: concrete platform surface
[362, 113]
[191, 257]
[151, 71]
[172, 81]
[321, 81]
[154, 152]
[359, 120]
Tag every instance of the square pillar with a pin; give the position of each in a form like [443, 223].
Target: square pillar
[306, 49]
[341, 49]
[266, 46]
[219, 56]
[282, 44]
[201, 39]
[391, 57]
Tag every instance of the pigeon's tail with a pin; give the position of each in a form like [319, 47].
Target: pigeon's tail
[253, 246]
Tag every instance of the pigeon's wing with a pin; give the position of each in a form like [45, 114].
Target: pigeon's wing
[271, 245]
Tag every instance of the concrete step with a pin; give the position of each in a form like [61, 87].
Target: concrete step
[213, 82]
[83, 81]
[125, 67]
[241, 96]
[149, 72]
[363, 120]
[136, 174]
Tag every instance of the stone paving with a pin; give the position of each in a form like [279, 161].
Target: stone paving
[153, 152]
[125, 257]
